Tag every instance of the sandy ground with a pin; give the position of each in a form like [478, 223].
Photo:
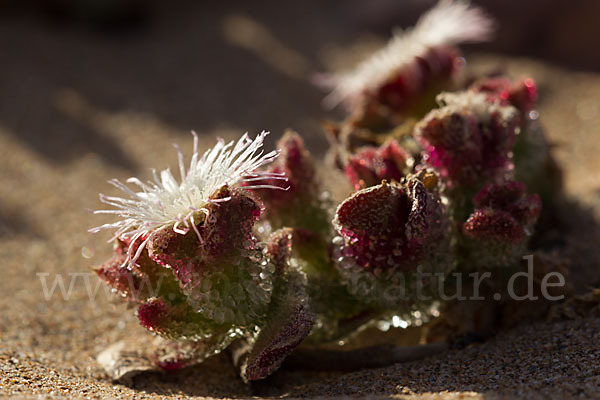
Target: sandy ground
[78, 108]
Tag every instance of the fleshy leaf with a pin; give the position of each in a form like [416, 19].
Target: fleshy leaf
[290, 321]
[280, 248]
[139, 281]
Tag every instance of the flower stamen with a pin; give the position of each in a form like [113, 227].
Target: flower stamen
[167, 203]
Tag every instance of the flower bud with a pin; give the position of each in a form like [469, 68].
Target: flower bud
[534, 164]
[389, 234]
[369, 166]
[469, 139]
[300, 205]
[501, 223]
[280, 248]
[521, 94]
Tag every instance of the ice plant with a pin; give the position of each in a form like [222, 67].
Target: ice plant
[245, 251]
[533, 164]
[390, 91]
[290, 318]
[304, 212]
[187, 256]
[414, 60]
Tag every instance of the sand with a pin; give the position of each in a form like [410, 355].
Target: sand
[78, 108]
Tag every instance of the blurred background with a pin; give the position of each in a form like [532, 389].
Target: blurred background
[69, 67]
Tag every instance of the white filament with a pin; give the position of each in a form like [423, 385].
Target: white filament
[165, 203]
[450, 22]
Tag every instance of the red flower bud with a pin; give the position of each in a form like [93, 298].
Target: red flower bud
[388, 231]
[469, 139]
[521, 94]
[502, 221]
[369, 166]
[300, 205]
[280, 248]
[389, 225]
[296, 165]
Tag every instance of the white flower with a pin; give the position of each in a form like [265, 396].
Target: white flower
[166, 203]
[449, 23]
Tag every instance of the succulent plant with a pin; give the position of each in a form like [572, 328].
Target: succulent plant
[247, 252]
[521, 94]
[193, 243]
